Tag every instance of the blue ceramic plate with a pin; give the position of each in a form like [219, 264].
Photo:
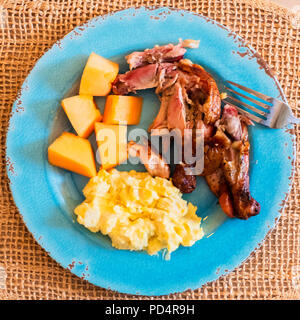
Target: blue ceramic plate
[46, 196]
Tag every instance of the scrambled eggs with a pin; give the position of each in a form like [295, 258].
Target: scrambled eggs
[138, 212]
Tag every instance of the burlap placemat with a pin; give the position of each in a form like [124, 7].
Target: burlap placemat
[27, 30]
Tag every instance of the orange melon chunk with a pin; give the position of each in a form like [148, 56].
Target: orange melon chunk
[82, 113]
[98, 75]
[73, 153]
[122, 110]
[112, 144]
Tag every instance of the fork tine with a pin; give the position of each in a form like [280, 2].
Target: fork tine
[262, 113]
[263, 105]
[255, 93]
[248, 114]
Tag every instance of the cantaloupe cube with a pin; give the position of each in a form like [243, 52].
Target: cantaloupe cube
[112, 144]
[73, 153]
[98, 75]
[122, 110]
[82, 113]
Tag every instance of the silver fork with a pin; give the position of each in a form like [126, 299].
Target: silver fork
[276, 114]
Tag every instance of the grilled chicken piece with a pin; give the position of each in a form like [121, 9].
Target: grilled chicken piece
[172, 112]
[208, 129]
[168, 75]
[173, 109]
[213, 157]
[186, 106]
[230, 182]
[203, 82]
[218, 185]
[153, 161]
[145, 77]
[198, 94]
[141, 78]
[176, 116]
[160, 122]
[184, 182]
[236, 172]
[190, 99]
[158, 54]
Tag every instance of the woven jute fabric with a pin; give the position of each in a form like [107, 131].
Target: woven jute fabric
[27, 30]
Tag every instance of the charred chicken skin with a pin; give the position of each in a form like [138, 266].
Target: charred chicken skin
[190, 99]
[152, 160]
[230, 182]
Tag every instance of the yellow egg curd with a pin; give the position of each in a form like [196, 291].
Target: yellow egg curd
[138, 212]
